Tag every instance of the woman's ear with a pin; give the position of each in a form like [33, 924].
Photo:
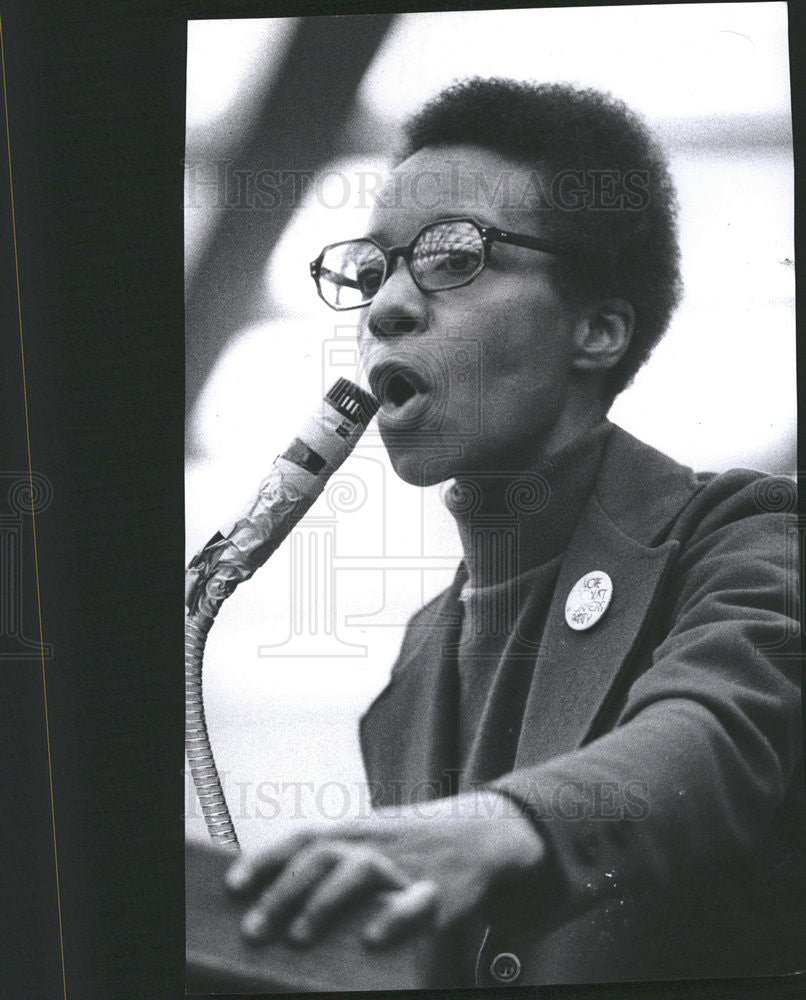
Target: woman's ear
[604, 335]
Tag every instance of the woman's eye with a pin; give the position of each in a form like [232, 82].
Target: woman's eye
[460, 261]
[369, 280]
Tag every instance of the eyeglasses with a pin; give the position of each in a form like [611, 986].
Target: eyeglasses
[444, 254]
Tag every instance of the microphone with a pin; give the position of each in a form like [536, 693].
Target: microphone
[296, 479]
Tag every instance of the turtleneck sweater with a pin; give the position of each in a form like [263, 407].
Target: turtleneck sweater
[514, 529]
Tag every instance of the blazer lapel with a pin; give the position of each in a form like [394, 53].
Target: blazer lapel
[408, 734]
[639, 492]
[576, 670]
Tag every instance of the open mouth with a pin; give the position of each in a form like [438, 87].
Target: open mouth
[398, 390]
[396, 385]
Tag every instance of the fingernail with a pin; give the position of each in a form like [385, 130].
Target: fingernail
[300, 931]
[253, 925]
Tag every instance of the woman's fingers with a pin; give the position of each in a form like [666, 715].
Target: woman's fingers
[312, 887]
[360, 873]
[270, 914]
[249, 872]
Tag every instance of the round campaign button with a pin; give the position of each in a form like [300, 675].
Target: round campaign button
[588, 600]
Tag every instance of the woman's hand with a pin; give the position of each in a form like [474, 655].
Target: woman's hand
[429, 864]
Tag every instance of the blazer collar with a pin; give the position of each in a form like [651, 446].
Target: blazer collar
[640, 489]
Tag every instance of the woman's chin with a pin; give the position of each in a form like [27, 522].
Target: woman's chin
[420, 468]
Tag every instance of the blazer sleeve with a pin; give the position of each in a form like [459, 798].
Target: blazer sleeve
[708, 738]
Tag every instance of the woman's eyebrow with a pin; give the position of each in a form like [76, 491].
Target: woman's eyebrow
[379, 235]
[380, 230]
[487, 222]
[383, 236]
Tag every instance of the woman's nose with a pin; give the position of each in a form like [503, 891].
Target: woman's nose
[399, 307]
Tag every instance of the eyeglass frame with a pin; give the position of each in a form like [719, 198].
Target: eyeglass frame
[488, 234]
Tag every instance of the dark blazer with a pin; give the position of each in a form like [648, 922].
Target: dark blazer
[660, 752]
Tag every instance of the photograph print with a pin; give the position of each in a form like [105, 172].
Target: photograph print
[491, 407]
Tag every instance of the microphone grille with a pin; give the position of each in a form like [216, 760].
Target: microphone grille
[352, 401]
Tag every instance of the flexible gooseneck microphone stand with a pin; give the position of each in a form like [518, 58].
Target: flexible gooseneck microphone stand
[296, 479]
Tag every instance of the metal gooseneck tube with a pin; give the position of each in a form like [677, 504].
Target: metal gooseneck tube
[296, 479]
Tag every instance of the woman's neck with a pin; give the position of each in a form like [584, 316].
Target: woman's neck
[510, 522]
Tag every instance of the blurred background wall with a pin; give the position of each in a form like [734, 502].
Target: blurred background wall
[289, 123]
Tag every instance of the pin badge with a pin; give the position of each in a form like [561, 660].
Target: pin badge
[588, 600]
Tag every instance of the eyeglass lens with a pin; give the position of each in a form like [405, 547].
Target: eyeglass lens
[444, 255]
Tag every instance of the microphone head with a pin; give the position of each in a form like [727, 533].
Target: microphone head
[352, 401]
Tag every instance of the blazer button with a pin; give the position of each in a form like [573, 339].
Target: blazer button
[505, 968]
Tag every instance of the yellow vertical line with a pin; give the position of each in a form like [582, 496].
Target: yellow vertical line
[33, 516]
